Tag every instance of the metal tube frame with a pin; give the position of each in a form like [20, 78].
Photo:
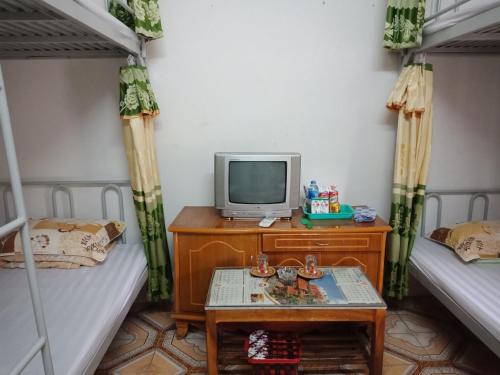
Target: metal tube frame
[65, 187]
[437, 194]
[42, 343]
[439, 12]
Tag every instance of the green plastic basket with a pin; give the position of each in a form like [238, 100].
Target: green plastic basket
[346, 212]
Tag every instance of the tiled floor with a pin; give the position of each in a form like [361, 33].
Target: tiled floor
[421, 338]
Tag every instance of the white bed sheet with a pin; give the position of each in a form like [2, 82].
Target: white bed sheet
[465, 11]
[82, 307]
[475, 287]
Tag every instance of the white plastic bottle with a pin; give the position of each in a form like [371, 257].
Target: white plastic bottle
[313, 190]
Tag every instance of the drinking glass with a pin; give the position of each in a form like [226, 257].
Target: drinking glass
[262, 265]
[311, 264]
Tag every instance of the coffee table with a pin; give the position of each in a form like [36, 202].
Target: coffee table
[343, 294]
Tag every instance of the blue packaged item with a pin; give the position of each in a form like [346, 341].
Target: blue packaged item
[364, 214]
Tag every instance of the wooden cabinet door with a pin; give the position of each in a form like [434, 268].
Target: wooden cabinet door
[199, 254]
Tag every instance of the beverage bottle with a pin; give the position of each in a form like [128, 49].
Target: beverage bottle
[334, 200]
[313, 190]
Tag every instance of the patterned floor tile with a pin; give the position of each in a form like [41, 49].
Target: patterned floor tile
[425, 340]
[191, 349]
[442, 371]
[417, 342]
[159, 319]
[150, 363]
[425, 306]
[397, 365]
[133, 337]
[401, 340]
[477, 359]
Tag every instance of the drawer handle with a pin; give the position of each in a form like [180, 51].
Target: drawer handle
[321, 243]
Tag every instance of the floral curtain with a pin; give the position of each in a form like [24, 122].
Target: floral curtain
[146, 18]
[404, 23]
[138, 107]
[412, 98]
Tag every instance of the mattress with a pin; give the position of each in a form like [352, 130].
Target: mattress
[83, 307]
[474, 287]
[465, 11]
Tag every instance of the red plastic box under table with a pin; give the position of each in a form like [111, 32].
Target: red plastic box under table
[281, 352]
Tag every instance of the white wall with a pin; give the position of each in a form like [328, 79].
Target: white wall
[465, 151]
[275, 76]
[309, 76]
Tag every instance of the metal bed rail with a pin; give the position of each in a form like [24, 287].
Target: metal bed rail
[42, 343]
[65, 187]
[63, 28]
[477, 32]
[437, 11]
[473, 194]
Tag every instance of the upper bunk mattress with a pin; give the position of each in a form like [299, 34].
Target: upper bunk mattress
[81, 306]
[475, 287]
[465, 11]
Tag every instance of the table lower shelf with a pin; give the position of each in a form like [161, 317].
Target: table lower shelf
[338, 351]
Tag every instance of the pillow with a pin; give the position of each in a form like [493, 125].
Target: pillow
[57, 238]
[476, 240]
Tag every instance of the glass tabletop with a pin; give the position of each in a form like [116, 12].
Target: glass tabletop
[339, 287]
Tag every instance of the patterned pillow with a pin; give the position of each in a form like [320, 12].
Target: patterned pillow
[476, 240]
[58, 238]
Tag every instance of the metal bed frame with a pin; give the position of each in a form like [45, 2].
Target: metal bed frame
[55, 186]
[54, 29]
[478, 34]
[42, 344]
[65, 187]
[64, 29]
[463, 315]
[62, 191]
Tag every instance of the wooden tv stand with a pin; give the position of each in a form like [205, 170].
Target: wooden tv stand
[204, 240]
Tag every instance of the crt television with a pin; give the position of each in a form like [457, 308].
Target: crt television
[257, 184]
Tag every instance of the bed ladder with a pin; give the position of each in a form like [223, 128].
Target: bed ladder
[42, 343]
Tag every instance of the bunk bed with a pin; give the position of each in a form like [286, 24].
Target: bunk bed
[76, 312]
[83, 307]
[461, 26]
[470, 291]
[63, 29]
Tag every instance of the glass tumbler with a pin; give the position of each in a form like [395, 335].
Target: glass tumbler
[311, 265]
[262, 265]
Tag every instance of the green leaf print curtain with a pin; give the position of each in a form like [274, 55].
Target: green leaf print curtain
[146, 18]
[138, 107]
[412, 98]
[403, 24]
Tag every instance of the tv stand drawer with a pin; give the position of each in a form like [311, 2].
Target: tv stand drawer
[321, 242]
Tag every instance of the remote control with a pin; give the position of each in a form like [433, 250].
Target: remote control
[267, 222]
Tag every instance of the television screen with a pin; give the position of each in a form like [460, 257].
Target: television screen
[257, 182]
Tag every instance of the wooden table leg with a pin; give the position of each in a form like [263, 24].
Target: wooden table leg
[182, 329]
[377, 343]
[211, 329]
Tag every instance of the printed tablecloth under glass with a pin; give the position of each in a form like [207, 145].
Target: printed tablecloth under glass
[346, 287]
